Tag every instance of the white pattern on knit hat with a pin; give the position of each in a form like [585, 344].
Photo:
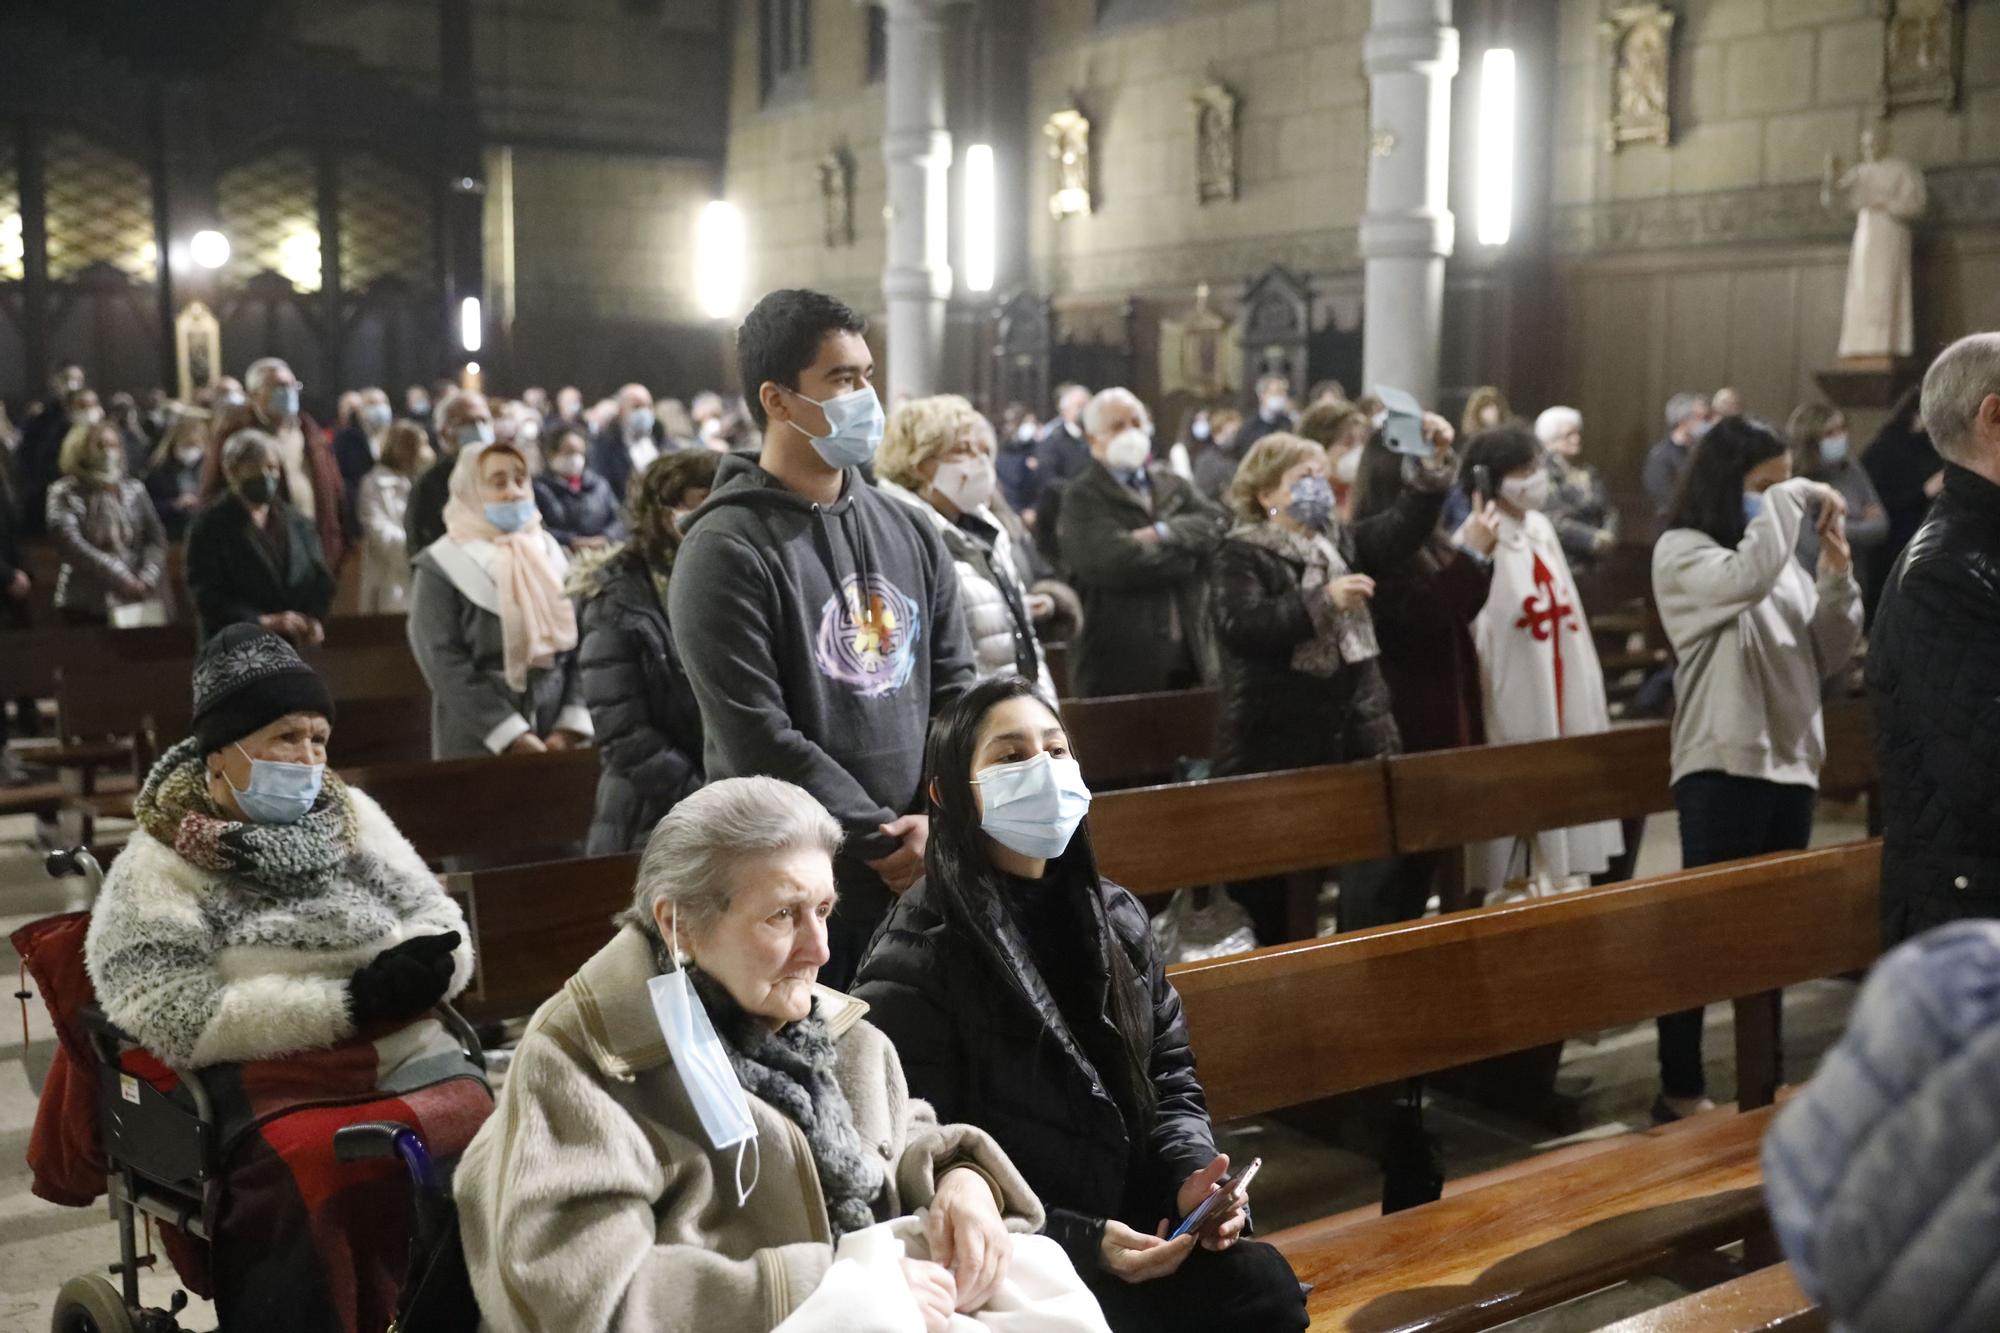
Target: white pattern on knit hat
[228, 666]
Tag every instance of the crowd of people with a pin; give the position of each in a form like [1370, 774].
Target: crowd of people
[806, 637]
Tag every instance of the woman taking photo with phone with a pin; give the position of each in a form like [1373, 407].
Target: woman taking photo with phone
[1756, 637]
[1024, 995]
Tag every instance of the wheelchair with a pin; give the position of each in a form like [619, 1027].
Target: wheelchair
[162, 1157]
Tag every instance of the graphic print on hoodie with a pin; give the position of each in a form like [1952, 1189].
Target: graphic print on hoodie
[819, 639]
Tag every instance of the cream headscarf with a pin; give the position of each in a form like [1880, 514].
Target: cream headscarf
[536, 619]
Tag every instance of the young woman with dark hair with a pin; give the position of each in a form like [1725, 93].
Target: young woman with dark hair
[1025, 996]
[1756, 637]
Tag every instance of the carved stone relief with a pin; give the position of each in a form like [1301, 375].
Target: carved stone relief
[1640, 38]
[836, 197]
[1215, 144]
[1920, 56]
[1068, 133]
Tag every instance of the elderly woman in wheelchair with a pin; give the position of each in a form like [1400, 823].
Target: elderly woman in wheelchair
[271, 949]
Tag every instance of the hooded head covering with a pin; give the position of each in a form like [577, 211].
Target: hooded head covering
[1883, 1174]
[536, 619]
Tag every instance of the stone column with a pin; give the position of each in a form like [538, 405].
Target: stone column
[916, 145]
[1406, 235]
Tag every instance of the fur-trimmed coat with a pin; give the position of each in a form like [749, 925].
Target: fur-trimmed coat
[592, 1199]
[203, 968]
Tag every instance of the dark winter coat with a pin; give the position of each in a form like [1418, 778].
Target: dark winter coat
[644, 711]
[1145, 625]
[1934, 674]
[589, 509]
[1424, 609]
[1274, 716]
[231, 576]
[981, 1038]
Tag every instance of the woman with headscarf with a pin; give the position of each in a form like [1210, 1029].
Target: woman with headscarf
[489, 622]
[114, 551]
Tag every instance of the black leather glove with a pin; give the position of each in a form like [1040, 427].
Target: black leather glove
[402, 982]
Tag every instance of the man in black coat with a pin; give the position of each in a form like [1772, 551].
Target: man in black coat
[1934, 667]
[1273, 413]
[631, 441]
[1061, 452]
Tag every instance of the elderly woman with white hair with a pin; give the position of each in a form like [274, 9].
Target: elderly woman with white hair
[491, 627]
[937, 458]
[252, 557]
[1586, 524]
[692, 1125]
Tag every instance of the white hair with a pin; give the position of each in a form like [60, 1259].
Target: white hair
[1557, 422]
[1954, 387]
[691, 857]
[261, 370]
[1682, 406]
[1100, 407]
[441, 411]
[241, 445]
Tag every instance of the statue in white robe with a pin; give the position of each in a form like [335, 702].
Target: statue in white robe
[1885, 194]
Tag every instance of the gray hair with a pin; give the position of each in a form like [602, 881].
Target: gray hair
[1682, 406]
[261, 370]
[441, 410]
[1557, 422]
[1100, 407]
[693, 852]
[237, 449]
[1954, 387]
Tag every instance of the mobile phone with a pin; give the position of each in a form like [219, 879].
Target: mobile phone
[1482, 482]
[1403, 429]
[1231, 1189]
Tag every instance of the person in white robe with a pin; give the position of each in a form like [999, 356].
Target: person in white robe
[1538, 667]
[1886, 194]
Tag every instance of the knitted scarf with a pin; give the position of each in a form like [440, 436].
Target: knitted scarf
[1339, 637]
[792, 1069]
[282, 859]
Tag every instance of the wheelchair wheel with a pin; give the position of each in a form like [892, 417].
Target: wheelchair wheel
[89, 1304]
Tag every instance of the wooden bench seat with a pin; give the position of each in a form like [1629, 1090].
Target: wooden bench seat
[499, 809]
[1765, 1301]
[1484, 1256]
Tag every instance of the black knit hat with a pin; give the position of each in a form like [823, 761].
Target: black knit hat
[247, 678]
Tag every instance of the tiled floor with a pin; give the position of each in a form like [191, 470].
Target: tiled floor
[1612, 1076]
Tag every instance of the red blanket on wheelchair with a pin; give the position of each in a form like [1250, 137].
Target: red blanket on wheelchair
[300, 1241]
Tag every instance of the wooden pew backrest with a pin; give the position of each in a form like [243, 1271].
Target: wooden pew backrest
[1292, 1024]
[1155, 839]
[1125, 739]
[492, 806]
[541, 922]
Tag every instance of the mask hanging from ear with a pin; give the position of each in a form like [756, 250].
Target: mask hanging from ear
[703, 1065]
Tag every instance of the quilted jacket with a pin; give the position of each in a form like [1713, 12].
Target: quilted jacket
[1934, 674]
[981, 1039]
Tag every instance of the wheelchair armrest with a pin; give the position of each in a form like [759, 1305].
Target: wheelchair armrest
[107, 1039]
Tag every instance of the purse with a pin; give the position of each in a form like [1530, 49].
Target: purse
[864, 1291]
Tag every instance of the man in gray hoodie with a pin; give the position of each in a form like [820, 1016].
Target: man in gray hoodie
[817, 618]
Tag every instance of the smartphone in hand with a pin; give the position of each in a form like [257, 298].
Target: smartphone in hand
[1229, 1190]
[1482, 483]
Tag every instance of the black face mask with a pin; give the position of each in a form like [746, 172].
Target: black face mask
[257, 490]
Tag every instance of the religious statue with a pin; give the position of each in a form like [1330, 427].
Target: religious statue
[1215, 144]
[836, 197]
[1920, 41]
[1885, 193]
[1197, 351]
[1639, 37]
[197, 348]
[1068, 134]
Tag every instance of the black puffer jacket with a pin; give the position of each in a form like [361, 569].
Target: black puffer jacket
[1275, 717]
[982, 1039]
[586, 510]
[1934, 674]
[648, 725]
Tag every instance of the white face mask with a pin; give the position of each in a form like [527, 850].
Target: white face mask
[1128, 451]
[703, 1064]
[1529, 492]
[966, 482]
[1347, 467]
[189, 456]
[1274, 405]
[567, 465]
[1034, 806]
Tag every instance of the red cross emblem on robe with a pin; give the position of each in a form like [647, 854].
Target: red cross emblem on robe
[1543, 613]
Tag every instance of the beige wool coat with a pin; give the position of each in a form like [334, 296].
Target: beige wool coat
[592, 1199]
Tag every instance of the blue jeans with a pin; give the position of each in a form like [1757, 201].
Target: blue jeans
[1724, 818]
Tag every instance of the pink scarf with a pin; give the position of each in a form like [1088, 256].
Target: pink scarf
[536, 619]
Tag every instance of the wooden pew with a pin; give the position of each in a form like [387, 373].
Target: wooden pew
[1123, 740]
[499, 809]
[1767, 1300]
[534, 925]
[1383, 1005]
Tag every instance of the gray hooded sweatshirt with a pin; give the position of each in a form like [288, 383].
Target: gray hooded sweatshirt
[819, 640]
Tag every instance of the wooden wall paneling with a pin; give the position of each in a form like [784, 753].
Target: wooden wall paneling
[1760, 349]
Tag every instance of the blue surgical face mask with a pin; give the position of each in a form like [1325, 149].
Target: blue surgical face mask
[1033, 807]
[474, 433]
[375, 418]
[285, 401]
[854, 423]
[639, 423]
[706, 1072]
[1833, 449]
[510, 515]
[279, 793]
[1753, 505]
[1311, 505]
